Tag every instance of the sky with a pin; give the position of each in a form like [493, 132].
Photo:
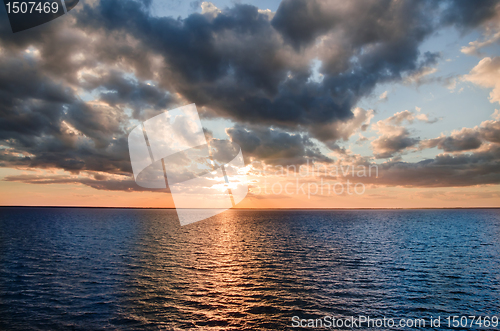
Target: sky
[334, 104]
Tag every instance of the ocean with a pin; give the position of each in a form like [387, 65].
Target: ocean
[137, 269]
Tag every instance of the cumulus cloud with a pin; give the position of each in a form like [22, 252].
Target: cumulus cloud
[209, 8]
[490, 131]
[394, 138]
[487, 74]
[466, 139]
[463, 140]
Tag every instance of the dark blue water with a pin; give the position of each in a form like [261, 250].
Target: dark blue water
[93, 269]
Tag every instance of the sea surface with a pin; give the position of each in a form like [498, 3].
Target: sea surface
[127, 269]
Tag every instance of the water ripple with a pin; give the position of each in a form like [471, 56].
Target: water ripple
[93, 269]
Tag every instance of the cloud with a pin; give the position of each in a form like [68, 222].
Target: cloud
[99, 183]
[275, 146]
[394, 138]
[464, 14]
[361, 140]
[491, 35]
[487, 74]
[117, 90]
[425, 118]
[479, 168]
[220, 69]
[420, 77]
[209, 8]
[383, 96]
[475, 46]
[463, 140]
[474, 158]
[392, 141]
[409, 117]
[490, 131]
[496, 115]
[70, 153]
[331, 132]
[466, 139]
[454, 195]
[400, 117]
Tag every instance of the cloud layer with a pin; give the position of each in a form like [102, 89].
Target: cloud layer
[71, 90]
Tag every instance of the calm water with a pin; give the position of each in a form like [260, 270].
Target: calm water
[89, 269]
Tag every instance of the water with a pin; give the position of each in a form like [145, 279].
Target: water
[93, 269]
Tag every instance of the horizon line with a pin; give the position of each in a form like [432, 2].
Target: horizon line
[277, 208]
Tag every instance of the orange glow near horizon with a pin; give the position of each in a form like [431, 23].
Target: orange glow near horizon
[78, 195]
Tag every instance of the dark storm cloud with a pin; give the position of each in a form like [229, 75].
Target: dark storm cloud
[20, 81]
[45, 125]
[116, 89]
[465, 14]
[31, 105]
[275, 146]
[68, 152]
[302, 21]
[237, 65]
[233, 63]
